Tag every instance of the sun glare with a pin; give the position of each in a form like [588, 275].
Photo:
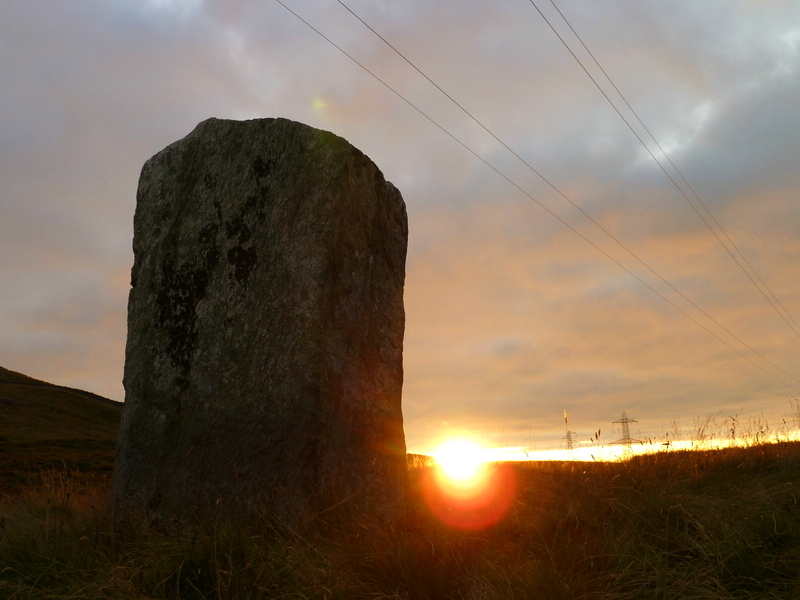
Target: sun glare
[466, 490]
[460, 459]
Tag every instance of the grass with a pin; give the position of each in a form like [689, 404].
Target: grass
[45, 427]
[33, 410]
[679, 524]
[708, 524]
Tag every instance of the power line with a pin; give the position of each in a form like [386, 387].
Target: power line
[674, 183]
[699, 199]
[742, 409]
[523, 161]
[553, 214]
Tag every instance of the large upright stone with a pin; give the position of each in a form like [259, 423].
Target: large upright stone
[263, 368]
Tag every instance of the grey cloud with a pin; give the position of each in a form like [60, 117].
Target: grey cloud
[504, 305]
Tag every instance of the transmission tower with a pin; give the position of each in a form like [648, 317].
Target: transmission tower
[626, 440]
[568, 439]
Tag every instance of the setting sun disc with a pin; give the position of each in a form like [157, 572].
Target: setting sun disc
[459, 459]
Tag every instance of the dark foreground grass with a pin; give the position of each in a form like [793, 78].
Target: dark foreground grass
[45, 427]
[716, 524]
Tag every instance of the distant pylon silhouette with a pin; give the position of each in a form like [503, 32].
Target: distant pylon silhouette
[568, 439]
[626, 439]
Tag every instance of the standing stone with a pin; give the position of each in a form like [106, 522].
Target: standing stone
[263, 368]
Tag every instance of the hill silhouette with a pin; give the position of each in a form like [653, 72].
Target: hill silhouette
[44, 426]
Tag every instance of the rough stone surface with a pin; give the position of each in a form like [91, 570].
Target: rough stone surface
[263, 367]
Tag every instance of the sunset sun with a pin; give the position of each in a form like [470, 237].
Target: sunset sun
[460, 460]
[467, 490]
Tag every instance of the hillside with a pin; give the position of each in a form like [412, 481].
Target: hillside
[716, 525]
[43, 426]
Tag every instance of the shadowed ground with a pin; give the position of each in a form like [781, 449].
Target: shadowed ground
[45, 426]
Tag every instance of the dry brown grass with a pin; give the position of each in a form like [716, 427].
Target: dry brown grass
[715, 524]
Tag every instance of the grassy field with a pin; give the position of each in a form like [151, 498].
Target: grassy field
[713, 524]
[45, 426]
[679, 524]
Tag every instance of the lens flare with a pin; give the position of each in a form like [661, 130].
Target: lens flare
[465, 491]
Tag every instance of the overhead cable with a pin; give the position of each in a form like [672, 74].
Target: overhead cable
[694, 193]
[674, 183]
[553, 214]
[549, 183]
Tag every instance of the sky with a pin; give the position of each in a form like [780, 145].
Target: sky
[513, 315]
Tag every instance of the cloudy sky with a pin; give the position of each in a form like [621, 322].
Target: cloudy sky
[513, 314]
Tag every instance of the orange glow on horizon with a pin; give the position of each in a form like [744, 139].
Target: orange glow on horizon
[465, 491]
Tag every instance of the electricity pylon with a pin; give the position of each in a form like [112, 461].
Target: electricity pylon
[568, 439]
[626, 440]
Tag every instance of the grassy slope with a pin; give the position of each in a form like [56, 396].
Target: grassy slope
[717, 525]
[714, 525]
[45, 426]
